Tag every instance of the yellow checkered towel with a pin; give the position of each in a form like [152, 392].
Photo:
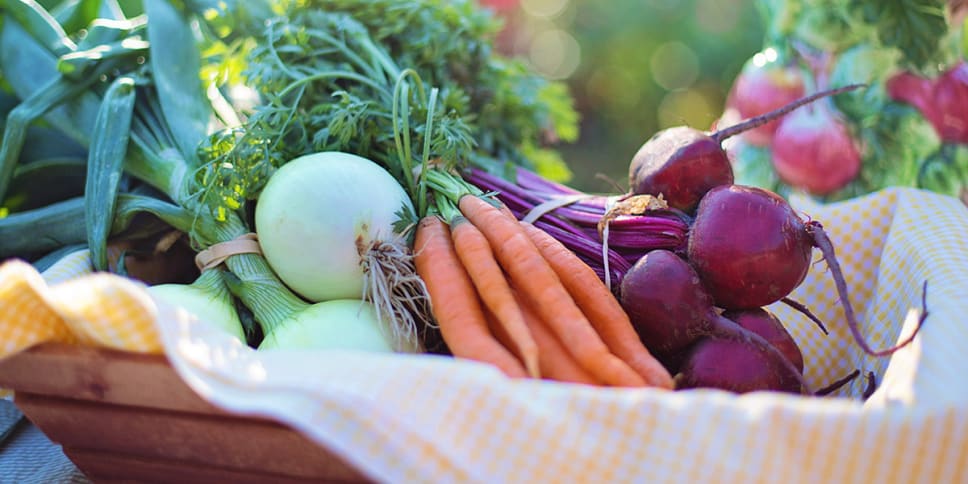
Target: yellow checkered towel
[425, 418]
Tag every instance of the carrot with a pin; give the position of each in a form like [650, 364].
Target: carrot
[454, 301]
[600, 307]
[555, 361]
[492, 286]
[533, 276]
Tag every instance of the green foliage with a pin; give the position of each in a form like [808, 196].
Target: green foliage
[914, 27]
[398, 81]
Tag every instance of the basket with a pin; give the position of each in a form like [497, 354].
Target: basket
[122, 416]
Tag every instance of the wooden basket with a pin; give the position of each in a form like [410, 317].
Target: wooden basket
[129, 417]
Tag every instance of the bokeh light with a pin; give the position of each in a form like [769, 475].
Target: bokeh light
[674, 66]
[555, 53]
[633, 67]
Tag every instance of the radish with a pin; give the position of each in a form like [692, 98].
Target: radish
[766, 83]
[766, 324]
[942, 101]
[750, 249]
[813, 150]
[681, 163]
[671, 310]
[319, 214]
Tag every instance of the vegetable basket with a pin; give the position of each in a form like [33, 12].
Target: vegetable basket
[219, 411]
[127, 416]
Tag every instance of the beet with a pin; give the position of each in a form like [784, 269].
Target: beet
[751, 249]
[665, 301]
[731, 364]
[683, 163]
[766, 324]
[670, 310]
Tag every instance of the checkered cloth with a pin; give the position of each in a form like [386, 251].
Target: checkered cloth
[426, 418]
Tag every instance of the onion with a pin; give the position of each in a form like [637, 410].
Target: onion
[207, 299]
[348, 324]
[317, 216]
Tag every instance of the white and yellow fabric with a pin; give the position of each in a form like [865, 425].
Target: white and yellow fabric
[424, 418]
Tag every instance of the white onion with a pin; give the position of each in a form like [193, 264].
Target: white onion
[315, 215]
[348, 324]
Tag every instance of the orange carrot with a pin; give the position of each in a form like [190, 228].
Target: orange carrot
[454, 301]
[556, 362]
[533, 276]
[600, 307]
[492, 286]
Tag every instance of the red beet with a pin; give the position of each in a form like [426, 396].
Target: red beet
[766, 324]
[751, 249]
[665, 301]
[670, 310]
[730, 364]
[683, 163]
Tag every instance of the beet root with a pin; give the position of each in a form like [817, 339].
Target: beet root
[733, 366]
[766, 324]
[748, 246]
[670, 310]
[681, 164]
[665, 301]
[750, 249]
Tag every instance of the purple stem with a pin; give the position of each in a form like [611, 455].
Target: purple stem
[533, 181]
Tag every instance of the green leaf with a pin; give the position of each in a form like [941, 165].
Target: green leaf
[914, 27]
[175, 66]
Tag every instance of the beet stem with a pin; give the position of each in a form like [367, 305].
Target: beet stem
[871, 385]
[827, 390]
[822, 242]
[764, 118]
[806, 312]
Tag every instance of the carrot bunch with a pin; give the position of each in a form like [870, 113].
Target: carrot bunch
[506, 293]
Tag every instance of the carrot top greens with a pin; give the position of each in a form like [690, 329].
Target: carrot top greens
[390, 80]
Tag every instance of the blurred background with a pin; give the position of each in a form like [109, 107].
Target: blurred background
[633, 67]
